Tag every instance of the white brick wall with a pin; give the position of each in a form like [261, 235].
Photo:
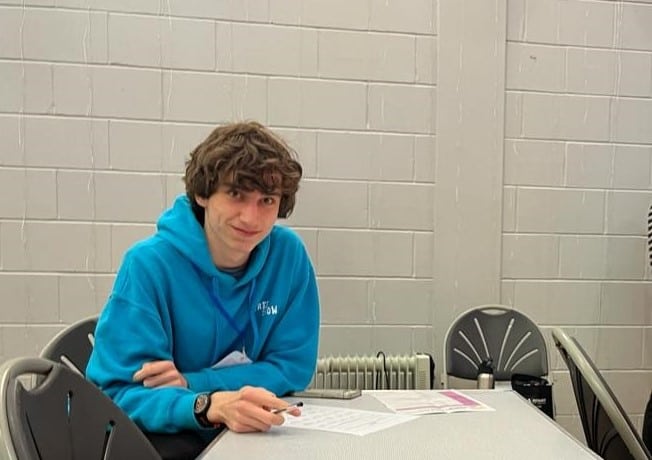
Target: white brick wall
[577, 183]
[101, 101]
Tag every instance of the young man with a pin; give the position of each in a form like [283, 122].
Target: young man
[217, 314]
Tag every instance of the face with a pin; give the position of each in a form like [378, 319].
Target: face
[235, 221]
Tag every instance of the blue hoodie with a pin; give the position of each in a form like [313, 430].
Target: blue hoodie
[170, 302]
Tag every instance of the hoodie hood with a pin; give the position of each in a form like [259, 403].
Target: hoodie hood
[179, 227]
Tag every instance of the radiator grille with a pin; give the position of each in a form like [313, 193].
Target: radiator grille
[401, 372]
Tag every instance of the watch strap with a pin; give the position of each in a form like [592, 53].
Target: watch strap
[201, 412]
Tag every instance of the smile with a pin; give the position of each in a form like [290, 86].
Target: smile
[245, 233]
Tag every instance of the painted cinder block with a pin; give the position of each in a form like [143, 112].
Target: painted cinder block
[558, 302]
[344, 301]
[317, 103]
[82, 295]
[367, 156]
[559, 211]
[320, 13]
[417, 16]
[55, 247]
[26, 88]
[342, 204]
[126, 92]
[401, 206]
[413, 296]
[127, 189]
[29, 298]
[267, 49]
[530, 256]
[532, 162]
[66, 142]
[64, 35]
[402, 108]
[364, 253]
[535, 67]
[28, 193]
[213, 98]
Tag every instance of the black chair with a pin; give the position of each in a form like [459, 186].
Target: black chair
[73, 345]
[647, 424]
[63, 417]
[505, 335]
[608, 430]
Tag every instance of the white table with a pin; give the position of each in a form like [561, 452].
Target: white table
[515, 430]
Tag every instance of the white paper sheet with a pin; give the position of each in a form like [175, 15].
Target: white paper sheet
[339, 420]
[418, 402]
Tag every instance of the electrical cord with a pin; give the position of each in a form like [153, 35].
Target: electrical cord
[385, 373]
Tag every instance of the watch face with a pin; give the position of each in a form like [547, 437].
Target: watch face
[201, 402]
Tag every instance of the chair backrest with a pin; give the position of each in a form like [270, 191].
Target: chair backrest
[649, 235]
[608, 430]
[505, 335]
[63, 417]
[73, 345]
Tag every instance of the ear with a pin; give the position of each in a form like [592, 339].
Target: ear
[201, 201]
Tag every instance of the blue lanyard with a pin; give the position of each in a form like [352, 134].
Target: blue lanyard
[229, 318]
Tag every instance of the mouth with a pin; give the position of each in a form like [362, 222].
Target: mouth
[245, 233]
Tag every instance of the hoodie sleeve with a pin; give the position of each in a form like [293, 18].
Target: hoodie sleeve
[128, 334]
[287, 359]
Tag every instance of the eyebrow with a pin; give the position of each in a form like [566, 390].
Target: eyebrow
[232, 186]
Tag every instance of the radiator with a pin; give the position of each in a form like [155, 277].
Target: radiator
[401, 372]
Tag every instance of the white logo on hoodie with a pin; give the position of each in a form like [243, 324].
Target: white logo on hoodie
[264, 308]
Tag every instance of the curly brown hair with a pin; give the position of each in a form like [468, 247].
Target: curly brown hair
[247, 156]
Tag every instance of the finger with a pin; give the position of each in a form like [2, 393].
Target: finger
[156, 383]
[170, 378]
[262, 398]
[294, 411]
[141, 374]
[253, 415]
[257, 394]
[239, 422]
[249, 423]
[266, 417]
[238, 427]
[158, 367]
[153, 368]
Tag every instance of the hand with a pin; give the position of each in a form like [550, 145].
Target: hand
[248, 409]
[160, 374]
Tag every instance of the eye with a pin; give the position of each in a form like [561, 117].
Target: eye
[233, 193]
[269, 200]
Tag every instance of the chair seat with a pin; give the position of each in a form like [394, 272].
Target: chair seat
[186, 445]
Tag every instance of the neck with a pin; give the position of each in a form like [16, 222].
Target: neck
[224, 258]
[230, 266]
[229, 261]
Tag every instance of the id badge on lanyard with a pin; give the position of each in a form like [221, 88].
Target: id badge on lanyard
[233, 359]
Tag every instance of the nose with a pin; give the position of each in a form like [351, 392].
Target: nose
[249, 213]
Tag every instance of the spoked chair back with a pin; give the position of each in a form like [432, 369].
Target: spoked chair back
[63, 417]
[506, 336]
[73, 345]
[607, 428]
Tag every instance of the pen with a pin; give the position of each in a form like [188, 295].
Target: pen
[292, 406]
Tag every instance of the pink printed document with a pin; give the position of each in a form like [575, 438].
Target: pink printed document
[419, 402]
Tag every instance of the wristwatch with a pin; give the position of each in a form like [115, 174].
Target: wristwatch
[202, 404]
